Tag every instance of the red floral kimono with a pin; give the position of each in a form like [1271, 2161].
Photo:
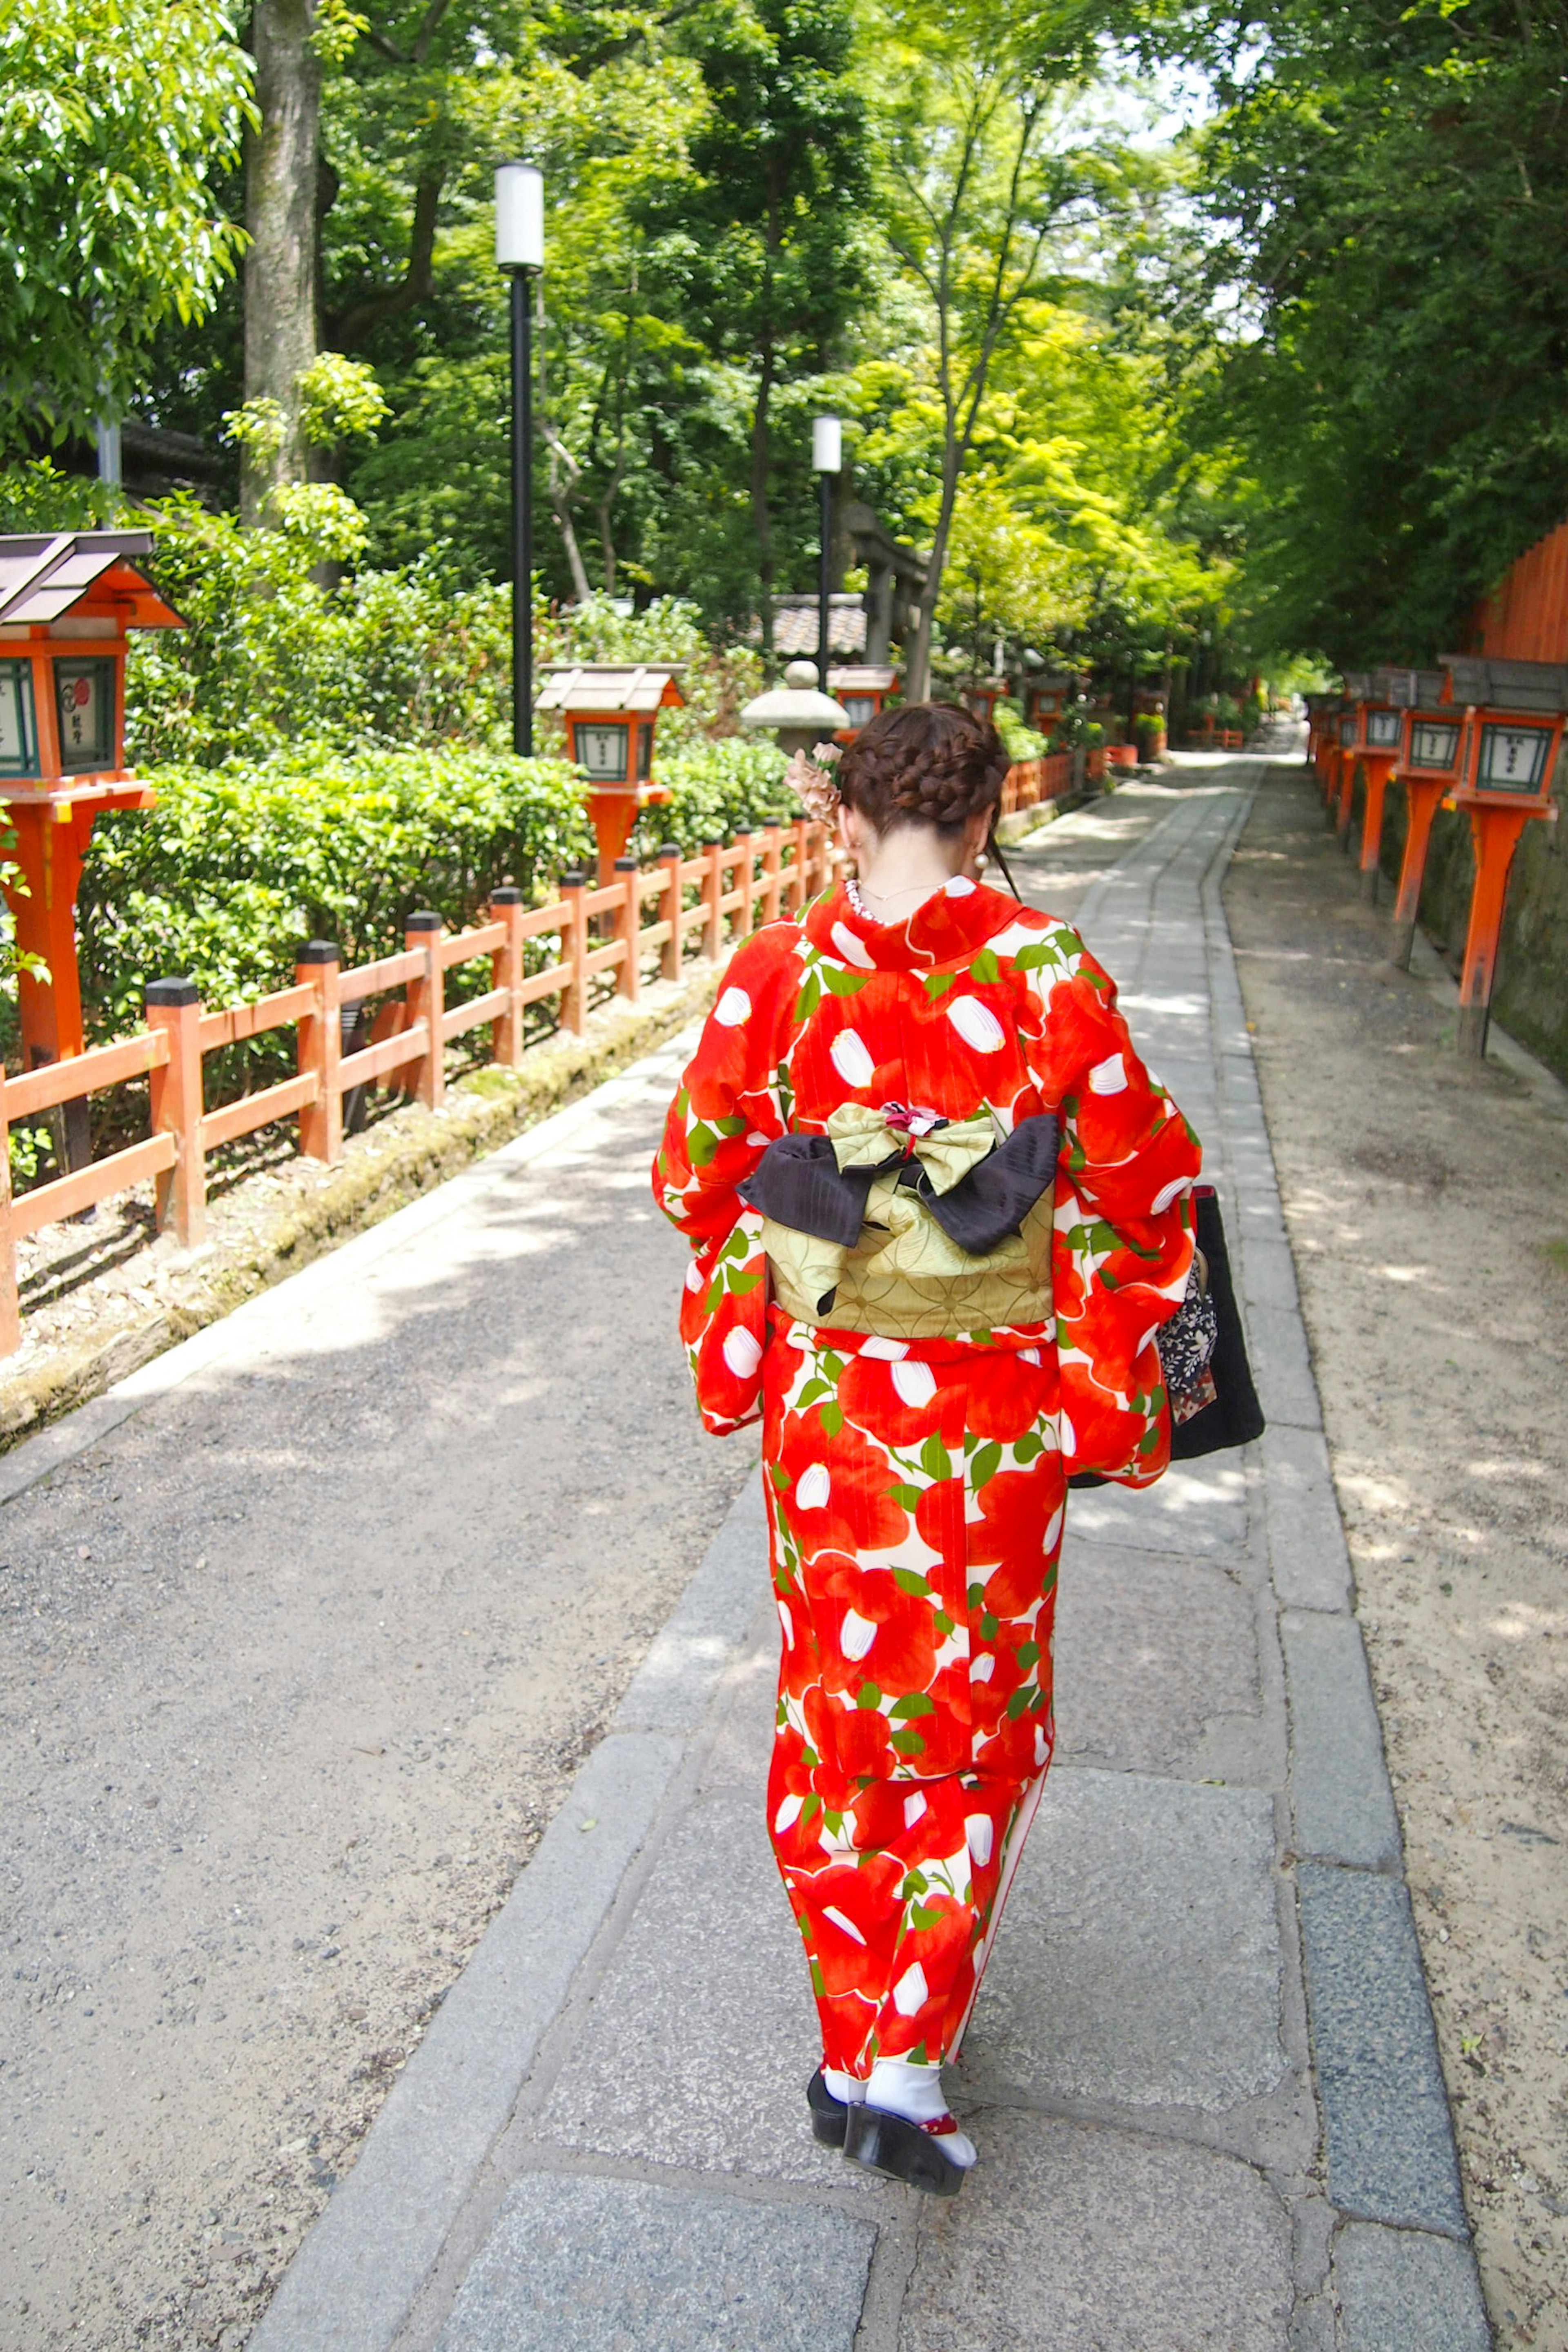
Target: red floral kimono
[916, 1487]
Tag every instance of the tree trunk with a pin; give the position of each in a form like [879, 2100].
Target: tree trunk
[280, 196]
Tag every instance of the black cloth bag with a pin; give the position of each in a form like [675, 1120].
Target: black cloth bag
[1235, 1417]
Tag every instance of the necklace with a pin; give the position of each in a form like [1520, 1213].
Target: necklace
[888, 897]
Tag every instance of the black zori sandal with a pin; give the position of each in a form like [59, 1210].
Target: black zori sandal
[829, 2116]
[904, 2151]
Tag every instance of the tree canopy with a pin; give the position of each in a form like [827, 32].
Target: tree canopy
[1282, 381]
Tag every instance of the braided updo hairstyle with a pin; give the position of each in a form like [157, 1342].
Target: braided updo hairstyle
[928, 763]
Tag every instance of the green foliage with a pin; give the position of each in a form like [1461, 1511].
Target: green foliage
[268, 657]
[1388, 194]
[716, 789]
[36, 496]
[237, 865]
[1019, 741]
[115, 115]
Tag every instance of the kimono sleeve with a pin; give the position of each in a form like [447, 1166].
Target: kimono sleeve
[728, 1110]
[1123, 1246]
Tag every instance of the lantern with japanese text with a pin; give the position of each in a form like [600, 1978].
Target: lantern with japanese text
[1508, 758]
[609, 711]
[67, 601]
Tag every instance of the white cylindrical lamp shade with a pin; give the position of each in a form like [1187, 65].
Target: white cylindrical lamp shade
[828, 445]
[520, 216]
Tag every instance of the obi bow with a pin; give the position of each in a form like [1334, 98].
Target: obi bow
[946, 1150]
[975, 1182]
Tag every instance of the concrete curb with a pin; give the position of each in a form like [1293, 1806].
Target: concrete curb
[355, 2279]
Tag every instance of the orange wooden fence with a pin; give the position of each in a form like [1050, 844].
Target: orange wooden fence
[597, 930]
[1030, 781]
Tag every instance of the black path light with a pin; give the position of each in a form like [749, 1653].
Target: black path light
[827, 456]
[520, 249]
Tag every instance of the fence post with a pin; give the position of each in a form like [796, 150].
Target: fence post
[173, 1006]
[628, 979]
[799, 874]
[669, 910]
[10, 1306]
[773, 879]
[506, 971]
[426, 1001]
[747, 881]
[712, 892]
[318, 1047]
[574, 953]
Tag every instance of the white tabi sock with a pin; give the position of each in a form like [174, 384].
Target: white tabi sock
[848, 2089]
[915, 2093]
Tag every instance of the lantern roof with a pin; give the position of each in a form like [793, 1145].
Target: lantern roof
[1408, 689]
[46, 574]
[1358, 684]
[611, 686]
[1478, 678]
[870, 678]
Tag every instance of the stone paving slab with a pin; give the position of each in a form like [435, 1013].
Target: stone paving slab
[1339, 1796]
[711, 2078]
[576, 2264]
[1153, 1653]
[1140, 1962]
[1072, 2238]
[1198, 1508]
[1405, 2291]
[1385, 2112]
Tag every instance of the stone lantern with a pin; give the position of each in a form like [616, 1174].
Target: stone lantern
[797, 712]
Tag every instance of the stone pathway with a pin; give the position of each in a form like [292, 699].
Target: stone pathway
[1202, 2074]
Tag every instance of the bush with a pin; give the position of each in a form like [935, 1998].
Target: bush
[237, 865]
[1019, 741]
[716, 789]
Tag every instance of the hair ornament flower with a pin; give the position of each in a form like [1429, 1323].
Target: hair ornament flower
[812, 780]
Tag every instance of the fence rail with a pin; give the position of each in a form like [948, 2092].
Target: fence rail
[596, 930]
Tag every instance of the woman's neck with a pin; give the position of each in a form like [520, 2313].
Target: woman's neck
[905, 868]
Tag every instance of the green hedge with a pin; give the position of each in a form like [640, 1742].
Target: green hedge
[718, 789]
[237, 865]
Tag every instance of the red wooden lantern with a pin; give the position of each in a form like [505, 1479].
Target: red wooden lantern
[610, 711]
[1375, 735]
[67, 601]
[1514, 717]
[863, 693]
[1323, 714]
[1431, 736]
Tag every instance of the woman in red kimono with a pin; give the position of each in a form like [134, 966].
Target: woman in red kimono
[939, 1211]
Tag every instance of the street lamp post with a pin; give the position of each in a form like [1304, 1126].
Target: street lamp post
[827, 456]
[520, 249]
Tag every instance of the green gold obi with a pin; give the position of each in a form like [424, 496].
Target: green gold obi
[901, 1224]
